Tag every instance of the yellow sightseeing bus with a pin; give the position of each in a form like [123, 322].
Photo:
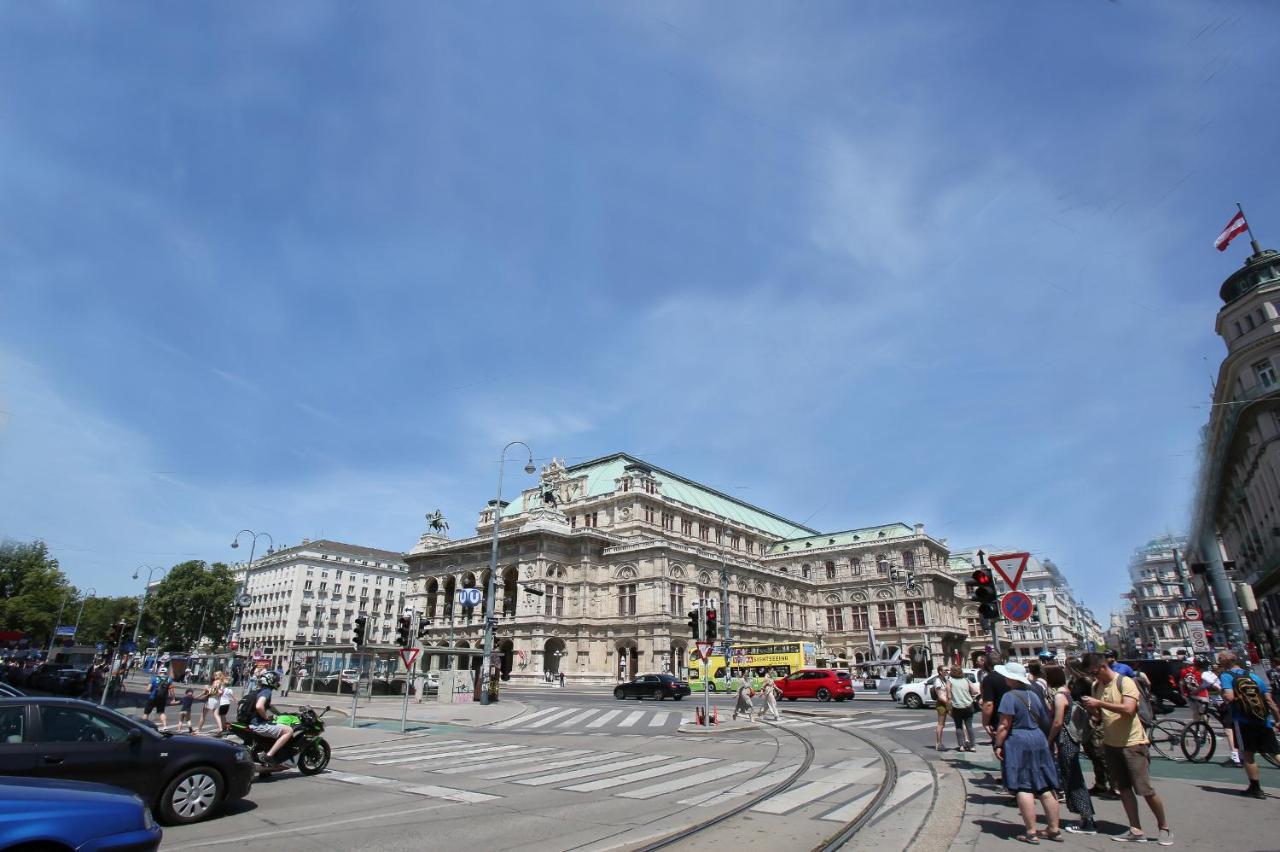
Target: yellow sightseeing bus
[752, 660]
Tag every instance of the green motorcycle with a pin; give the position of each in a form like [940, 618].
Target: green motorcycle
[306, 749]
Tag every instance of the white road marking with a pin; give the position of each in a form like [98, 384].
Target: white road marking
[632, 717]
[557, 777]
[522, 751]
[521, 720]
[450, 794]
[847, 812]
[659, 719]
[918, 727]
[381, 752]
[417, 758]
[804, 794]
[609, 714]
[573, 720]
[548, 719]
[641, 775]
[689, 781]
[364, 780]
[492, 760]
[892, 723]
[908, 785]
[577, 761]
[761, 782]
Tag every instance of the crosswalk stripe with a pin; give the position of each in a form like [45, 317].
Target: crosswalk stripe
[407, 738]
[892, 723]
[522, 751]
[365, 780]
[908, 785]
[449, 794]
[379, 752]
[548, 719]
[577, 761]
[632, 717]
[435, 755]
[746, 788]
[849, 810]
[557, 777]
[573, 720]
[690, 780]
[609, 714]
[640, 775]
[489, 761]
[521, 720]
[804, 794]
[920, 726]
[659, 719]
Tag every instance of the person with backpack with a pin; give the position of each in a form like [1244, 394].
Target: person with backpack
[1068, 731]
[942, 703]
[1117, 705]
[256, 708]
[1253, 711]
[158, 696]
[962, 693]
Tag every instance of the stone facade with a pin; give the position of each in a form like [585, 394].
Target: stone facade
[1157, 599]
[622, 551]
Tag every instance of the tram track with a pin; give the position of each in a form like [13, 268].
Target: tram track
[833, 841]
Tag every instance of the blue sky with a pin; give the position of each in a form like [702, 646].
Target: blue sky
[305, 268]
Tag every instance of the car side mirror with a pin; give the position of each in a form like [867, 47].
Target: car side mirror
[134, 736]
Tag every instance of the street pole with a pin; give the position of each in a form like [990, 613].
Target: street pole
[142, 602]
[355, 687]
[491, 586]
[706, 667]
[82, 603]
[408, 670]
[53, 634]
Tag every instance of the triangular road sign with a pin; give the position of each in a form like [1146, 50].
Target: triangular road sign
[407, 656]
[1010, 566]
[704, 650]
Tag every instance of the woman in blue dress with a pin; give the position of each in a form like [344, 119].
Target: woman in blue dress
[1030, 771]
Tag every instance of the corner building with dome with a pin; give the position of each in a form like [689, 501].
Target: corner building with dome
[622, 550]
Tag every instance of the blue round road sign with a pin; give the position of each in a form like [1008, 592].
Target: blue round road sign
[469, 597]
[1016, 606]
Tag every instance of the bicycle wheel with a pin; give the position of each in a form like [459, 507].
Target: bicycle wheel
[1199, 742]
[1166, 740]
[1273, 759]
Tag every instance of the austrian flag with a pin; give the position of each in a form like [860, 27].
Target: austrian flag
[1234, 228]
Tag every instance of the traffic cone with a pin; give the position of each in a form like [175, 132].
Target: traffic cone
[715, 715]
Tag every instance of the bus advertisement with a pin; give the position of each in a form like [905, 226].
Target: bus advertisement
[751, 660]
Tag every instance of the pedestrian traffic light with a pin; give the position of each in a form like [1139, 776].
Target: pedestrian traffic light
[402, 631]
[711, 626]
[693, 625]
[357, 635]
[984, 594]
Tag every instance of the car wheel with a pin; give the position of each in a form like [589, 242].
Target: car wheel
[711, 686]
[619, 694]
[913, 701]
[191, 795]
[822, 694]
[313, 758]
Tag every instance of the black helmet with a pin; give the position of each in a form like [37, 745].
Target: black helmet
[268, 679]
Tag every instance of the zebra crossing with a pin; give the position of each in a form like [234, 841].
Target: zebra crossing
[569, 720]
[832, 791]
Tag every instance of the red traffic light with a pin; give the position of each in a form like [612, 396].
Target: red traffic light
[982, 577]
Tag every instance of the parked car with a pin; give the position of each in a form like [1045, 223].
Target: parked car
[45, 676]
[919, 691]
[822, 684]
[183, 778]
[39, 813]
[69, 682]
[655, 686]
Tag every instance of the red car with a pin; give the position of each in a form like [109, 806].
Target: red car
[822, 684]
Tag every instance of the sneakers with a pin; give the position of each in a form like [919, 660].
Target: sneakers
[1165, 838]
[1083, 827]
[1130, 837]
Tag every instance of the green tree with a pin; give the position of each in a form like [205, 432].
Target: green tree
[190, 594]
[100, 613]
[32, 588]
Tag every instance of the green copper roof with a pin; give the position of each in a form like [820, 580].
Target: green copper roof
[865, 535]
[603, 472]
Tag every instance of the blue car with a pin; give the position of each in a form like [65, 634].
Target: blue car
[73, 815]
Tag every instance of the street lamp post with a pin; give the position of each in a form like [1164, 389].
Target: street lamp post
[490, 590]
[244, 588]
[151, 570]
[92, 592]
[53, 634]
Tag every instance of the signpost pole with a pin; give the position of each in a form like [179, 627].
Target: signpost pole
[408, 669]
[355, 687]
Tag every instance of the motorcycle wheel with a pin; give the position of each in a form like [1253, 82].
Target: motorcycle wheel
[314, 757]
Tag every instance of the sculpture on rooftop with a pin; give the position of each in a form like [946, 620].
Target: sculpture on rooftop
[436, 522]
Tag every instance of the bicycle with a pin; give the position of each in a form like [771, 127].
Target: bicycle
[1199, 741]
[1166, 737]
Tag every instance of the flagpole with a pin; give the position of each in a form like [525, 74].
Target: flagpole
[1257, 249]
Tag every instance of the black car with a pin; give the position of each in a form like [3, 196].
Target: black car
[656, 686]
[45, 676]
[183, 778]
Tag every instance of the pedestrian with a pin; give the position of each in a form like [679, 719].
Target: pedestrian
[184, 713]
[1114, 703]
[962, 693]
[210, 706]
[942, 704]
[743, 706]
[225, 698]
[561, 680]
[1069, 729]
[993, 687]
[158, 696]
[1023, 750]
[1253, 715]
[770, 693]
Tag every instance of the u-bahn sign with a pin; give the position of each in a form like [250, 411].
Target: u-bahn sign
[469, 597]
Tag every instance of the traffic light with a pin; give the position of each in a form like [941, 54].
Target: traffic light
[984, 594]
[402, 631]
[911, 579]
[424, 627]
[711, 626]
[693, 625]
[357, 635]
[114, 634]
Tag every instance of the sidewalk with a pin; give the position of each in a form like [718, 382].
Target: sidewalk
[1201, 802]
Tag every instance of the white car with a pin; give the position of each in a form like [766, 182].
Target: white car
[919, 693]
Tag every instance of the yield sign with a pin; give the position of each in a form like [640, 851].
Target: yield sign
[407, 656]
[1010, 566]
[704, 650]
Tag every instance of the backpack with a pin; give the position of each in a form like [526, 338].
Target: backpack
[245, 712]
[936, 692]
[159, 687]
[1146, 712]
[1248, 697]
[1078, 725]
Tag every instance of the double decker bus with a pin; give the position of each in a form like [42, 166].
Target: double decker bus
[751, 660]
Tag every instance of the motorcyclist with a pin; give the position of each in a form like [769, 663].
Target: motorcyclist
[263, 720]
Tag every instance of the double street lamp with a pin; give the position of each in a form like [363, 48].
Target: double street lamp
[243, 598]
[491, 588]
[142, 602]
